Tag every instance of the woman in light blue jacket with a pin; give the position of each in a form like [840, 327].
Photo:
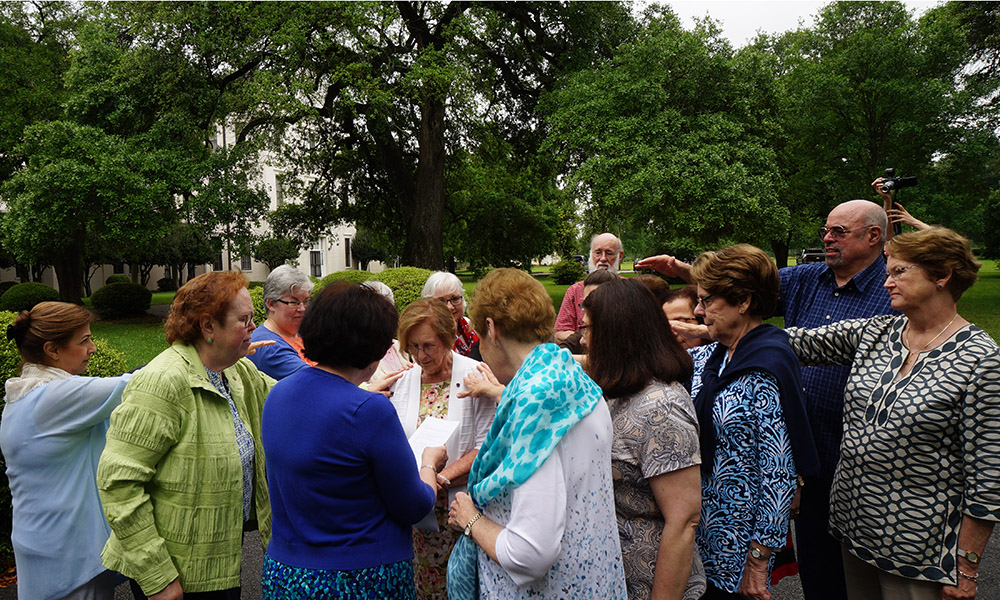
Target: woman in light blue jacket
[52, 436]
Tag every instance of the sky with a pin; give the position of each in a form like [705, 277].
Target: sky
[740, 21]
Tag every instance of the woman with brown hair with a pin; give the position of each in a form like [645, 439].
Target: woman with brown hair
[754, 434]
[638, 363]
[919, 456]
[52, 435]
[182, 475]
[434, 388]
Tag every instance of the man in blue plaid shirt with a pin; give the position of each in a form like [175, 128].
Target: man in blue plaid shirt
[847, 286]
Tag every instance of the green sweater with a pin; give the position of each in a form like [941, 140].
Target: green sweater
[170, 477]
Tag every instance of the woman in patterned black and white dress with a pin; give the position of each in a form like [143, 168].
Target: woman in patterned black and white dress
[916, 491]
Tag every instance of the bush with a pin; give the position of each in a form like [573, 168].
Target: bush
[120, 300]
[166, 284]
[406, 283]
[106, 362]
[256, 284]
[257, 295]
[23, 296]
[6, 285]
[350, 275]
[566, 272]
[117, 279]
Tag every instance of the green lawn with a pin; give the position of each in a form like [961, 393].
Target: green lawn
[138, 339]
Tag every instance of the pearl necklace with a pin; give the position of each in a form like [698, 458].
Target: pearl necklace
[906, 338]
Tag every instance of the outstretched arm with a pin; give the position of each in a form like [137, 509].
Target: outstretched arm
[666, 265]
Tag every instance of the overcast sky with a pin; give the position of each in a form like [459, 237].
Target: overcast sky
[742, 20]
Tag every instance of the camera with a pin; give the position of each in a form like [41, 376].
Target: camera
[890, 182]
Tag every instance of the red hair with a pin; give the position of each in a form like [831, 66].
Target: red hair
[208, 294]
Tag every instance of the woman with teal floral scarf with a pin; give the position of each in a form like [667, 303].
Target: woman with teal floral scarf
[539, 519]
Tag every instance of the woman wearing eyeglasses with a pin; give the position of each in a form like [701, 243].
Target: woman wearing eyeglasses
[447, 287]
[182, 474]
[286, 296]
[432, 389]
[916, 493]
[754, 436]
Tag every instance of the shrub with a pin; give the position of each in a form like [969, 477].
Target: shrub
[256, 284]
[405, 283]
[23, 296]
[257, 295]
[6, 285]
[121, 300]
[350, 275]
[566, 272]
[106, 362]
[117, 279]
[166, 284]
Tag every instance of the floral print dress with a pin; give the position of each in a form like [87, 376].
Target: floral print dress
[431, 549]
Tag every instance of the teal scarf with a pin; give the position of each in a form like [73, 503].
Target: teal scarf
[549, 394]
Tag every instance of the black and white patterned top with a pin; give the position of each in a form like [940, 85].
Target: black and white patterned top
[244, 439]
[919, 451]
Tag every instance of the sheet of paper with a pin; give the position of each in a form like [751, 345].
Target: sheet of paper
[432, 432]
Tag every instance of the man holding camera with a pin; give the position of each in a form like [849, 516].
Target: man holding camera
[847, 286]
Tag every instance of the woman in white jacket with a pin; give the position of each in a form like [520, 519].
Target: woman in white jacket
[432, 388]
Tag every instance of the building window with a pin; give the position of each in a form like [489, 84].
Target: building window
[217, 263]
[279, 194]
[119, 268]
[347, 252]
[245, 263]
[316, 260]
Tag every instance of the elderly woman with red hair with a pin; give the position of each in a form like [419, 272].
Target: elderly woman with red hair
[182, 474]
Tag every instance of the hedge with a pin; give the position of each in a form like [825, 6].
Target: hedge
[350, 275]
[406, 283]
[257, 295]
[24, 296]
[119, 278]
[119, 300]
[567, 271]
[106, 362]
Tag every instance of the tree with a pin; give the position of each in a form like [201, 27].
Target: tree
[365, 249]
[79, 180]
[275, 251]
[662, 139]
[185, 246]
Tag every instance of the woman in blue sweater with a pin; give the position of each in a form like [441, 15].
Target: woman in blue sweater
[345, 489]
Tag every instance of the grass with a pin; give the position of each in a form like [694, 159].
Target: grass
[142, 339]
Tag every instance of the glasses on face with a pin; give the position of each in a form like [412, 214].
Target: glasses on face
[428, 349]
[245, 321]
[895, 272]
[839, 231]
[293, 304]
[453, 300]
[703, 300]
[604, 253]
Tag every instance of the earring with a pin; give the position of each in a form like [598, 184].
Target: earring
[209, 340]
[742, 310]
[939, 286]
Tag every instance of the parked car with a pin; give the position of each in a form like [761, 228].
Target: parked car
[580, 259]
[810, 255]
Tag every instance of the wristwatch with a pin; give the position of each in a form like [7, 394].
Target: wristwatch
[468, 528]
[970, 556]
[759, 554]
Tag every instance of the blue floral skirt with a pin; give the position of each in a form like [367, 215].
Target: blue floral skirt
[389, 582]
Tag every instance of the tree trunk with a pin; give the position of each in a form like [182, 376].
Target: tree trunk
[424, 244]
[23, 272]
[69, 270]
[780, 249]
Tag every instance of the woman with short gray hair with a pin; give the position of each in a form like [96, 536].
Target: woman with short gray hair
[447, 287]
[286, 295]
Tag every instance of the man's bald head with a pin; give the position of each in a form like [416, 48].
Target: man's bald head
[864, 225]
[606, 252]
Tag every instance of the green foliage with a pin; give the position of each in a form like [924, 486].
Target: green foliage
[166, 284]
[119, 300]
[406, 283]
[275, 251]
[139, 340]
[256, 284]
[23, 296]
[365, 248]
[257, 295]
[6, 285]
[117, 279]
[567, 271]
[349, 275]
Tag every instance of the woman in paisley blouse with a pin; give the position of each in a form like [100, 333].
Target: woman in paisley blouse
[916, 491]
[433, 388]
[753, 428]
[638, 363]
[539, 519]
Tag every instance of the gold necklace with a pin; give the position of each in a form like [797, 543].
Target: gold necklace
[906, 336]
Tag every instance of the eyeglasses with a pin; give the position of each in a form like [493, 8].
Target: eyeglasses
[454, 300]
[895, 272]
[428, 349]
[246, 321]
[607, 253]
[294, 303]
[839, 231]
[703, 302]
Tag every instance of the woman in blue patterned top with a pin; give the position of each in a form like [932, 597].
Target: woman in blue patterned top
[753, 429]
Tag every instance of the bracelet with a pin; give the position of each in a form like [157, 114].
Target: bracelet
[447, 482]
[972, 578]
[431, 467]
[468, 528]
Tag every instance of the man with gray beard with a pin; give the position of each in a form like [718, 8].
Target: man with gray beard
[606, 252]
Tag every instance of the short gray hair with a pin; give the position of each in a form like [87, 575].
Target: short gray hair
[378, 286]
[285, 279]
[875, 217]
[441, 280]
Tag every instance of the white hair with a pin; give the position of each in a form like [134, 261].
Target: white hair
[381, 288]
[441, 281]
[285, 279]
